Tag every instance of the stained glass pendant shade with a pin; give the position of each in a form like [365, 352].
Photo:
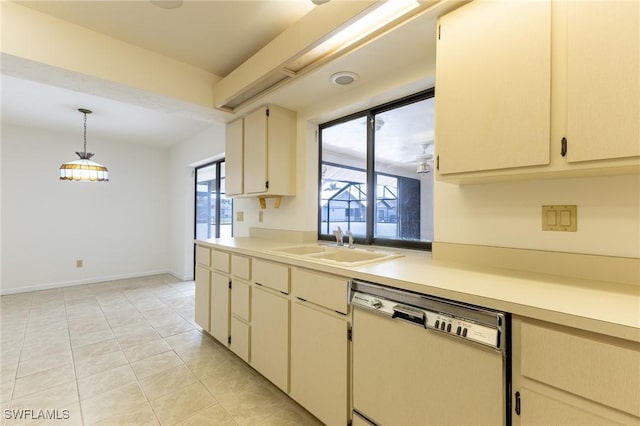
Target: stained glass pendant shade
[84, 170]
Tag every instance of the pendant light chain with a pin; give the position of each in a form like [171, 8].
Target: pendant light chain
[85, 132]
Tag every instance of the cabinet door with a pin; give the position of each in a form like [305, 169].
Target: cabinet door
[234, 151]
[241, 300]
[319, 363]
[240, 338]
[255, 152]
[202, 296]
[270, 336]
[493, 83]
[220, 307]
[603, 87]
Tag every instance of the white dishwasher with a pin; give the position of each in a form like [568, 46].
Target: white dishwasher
[420, 360]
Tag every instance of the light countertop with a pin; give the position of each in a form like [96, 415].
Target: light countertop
[599, 306]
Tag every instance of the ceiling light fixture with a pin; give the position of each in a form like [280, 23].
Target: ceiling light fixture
[362, 27]
[166, 4]
[424, 158]
[344, 78]
[84, 170]
[319, 2]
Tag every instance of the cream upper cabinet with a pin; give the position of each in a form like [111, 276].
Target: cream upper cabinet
[564, 376]
[533, 89]
[493, 86]
[234, 152]
[603, 80]
[266, 140]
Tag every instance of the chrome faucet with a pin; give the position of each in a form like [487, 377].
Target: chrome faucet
[350, 236]
[338, 234]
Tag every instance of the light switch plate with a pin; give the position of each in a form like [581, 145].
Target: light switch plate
[560, 218]
[239, 216]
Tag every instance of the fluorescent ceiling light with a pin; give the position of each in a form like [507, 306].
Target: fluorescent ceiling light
[383, 14]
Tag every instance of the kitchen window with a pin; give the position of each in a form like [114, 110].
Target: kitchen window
[213, 210]
[375, 174]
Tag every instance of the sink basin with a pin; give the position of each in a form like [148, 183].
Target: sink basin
[334, 255]
[302, 250]
[349, 255]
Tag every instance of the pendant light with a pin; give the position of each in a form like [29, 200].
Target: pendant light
[84, 170]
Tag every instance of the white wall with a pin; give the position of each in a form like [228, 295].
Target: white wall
[204, 147]
[509, 214]
[119, 229]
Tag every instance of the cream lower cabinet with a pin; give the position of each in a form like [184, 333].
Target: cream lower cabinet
[563, 376]
[220, 301]
[202, 296]
[270, 335]
[319, 345]
[319, 361]
[240, 319]
[203, 287]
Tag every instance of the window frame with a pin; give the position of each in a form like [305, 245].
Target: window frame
[218, 164]
[370, 114]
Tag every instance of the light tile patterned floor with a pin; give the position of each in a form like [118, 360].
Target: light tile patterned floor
[127, 353]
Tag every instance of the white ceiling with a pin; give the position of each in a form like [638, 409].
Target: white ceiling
[218, 35]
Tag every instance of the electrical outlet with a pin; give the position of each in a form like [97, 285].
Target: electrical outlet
[79, 263]
[239, 216]
[560, 218]
[260, 216]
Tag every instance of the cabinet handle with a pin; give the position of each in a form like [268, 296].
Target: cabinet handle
[518, 403]
[563, 149]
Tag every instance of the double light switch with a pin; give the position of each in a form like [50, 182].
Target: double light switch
[560, 218]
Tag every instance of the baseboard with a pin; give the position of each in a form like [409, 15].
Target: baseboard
[624, 270]
[93, 280]
[182, 277]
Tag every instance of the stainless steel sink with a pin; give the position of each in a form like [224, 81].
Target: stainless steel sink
[334, 255]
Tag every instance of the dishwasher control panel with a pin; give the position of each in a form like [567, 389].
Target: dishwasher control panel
[453, 325]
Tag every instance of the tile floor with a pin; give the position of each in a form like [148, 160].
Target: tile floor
[127, 353]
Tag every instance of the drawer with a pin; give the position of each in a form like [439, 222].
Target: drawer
[240, 338]
[591, 368]
[322, 289]
[241, 299]
[241, 266]
[220, 260]
[203, 256]
[272, 275]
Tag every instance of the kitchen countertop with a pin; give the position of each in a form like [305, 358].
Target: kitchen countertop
[604, 307]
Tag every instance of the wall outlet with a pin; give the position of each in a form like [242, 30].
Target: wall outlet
[560, 218]
[260, 216]
[79, 263]
[239, 216]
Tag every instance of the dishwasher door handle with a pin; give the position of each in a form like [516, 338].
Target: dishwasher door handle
[412, 315]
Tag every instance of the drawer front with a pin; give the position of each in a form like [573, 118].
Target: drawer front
[594, 369]
[220, 260]
[240, 339]
[241, 299]
[272, 275]
[241, 266]
[203, 256]
[324, 290]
